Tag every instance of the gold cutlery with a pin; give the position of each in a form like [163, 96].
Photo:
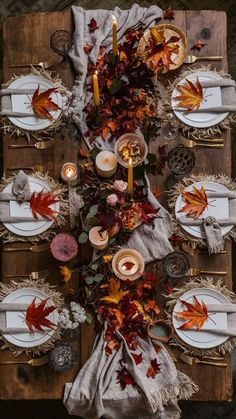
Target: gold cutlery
[40, 144]
[208, 140]
[193, 361]
[191, 144]
[31, 275]
[34, 362]
[36, 168]
[196, 272]
[198, 251]
[36, 248]
[42, 64]
[190, 59]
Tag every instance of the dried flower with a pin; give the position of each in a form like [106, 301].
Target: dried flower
[107, 258]
[120, 185]
[112, 200]
[64, 247]
[65, 272]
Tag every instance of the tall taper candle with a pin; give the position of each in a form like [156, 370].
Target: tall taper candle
[96, 89]
[130, 176]
[115, 44]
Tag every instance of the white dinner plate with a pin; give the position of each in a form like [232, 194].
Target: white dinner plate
[218, 208]
[16, 318]
[33, 227]
[197, 338]
[212, 98]
[21, 103]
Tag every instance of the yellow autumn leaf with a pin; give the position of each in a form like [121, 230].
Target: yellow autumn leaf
[107, 258]
[115, 294]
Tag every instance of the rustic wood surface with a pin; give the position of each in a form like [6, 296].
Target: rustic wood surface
[26, 38]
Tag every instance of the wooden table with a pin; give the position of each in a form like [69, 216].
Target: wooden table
[26, 38]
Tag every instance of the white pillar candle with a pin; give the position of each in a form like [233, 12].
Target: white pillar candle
[128, 264]
[97, 239]
[69, 172]
[106, 163]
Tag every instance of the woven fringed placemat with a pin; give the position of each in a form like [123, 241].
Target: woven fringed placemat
[9, 128]
[201, 282]
[55, 296]
[62, 193]
[184, 183]
[191, 132]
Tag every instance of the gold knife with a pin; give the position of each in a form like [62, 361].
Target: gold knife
[36, 248]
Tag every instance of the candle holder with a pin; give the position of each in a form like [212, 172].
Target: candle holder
[169, 131]
[128, 264]
[130, 145]
[96, 117]
[69, 172]
[181, 161]
[176, 265]
[106, 163]
[113, 59]
[62, 357]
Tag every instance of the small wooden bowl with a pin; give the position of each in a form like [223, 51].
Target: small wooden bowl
[163, 324]
[169, 30]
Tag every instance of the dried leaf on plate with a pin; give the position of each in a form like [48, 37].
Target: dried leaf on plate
[197, 202]
[40, 205]
[192, 95]
[36, 316]
[196, 314]
[42, 103]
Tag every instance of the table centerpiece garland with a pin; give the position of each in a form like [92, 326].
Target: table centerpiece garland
[47, 133]
[173, 194]
[50, 291]
[177, 292]
[59, 190]
[191, 132]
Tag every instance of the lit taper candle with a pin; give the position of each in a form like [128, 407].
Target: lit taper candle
[96, 89]
[115, 44]
[130, 175]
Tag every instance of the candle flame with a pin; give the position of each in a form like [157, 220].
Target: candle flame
[130, 160]
[96, 72]
[114, 19]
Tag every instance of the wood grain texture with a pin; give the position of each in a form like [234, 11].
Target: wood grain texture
[27, 37]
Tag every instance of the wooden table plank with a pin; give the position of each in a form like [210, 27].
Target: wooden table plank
[29, 383]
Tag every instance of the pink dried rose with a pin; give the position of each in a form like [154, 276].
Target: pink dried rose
[120, 185]
[64, 247]
[112, 200]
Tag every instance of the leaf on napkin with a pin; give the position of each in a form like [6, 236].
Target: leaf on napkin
[124, 378]
[192, 95]
[138, 358]
[160, 50]
[115, 294]
[197, 202]
[196, 314]
[40, 205]
[169, 13]
[148, 212]
[42, 103]
[88, 48]
[36, 316]
[93, 26]
[199, 44]
[153, 369]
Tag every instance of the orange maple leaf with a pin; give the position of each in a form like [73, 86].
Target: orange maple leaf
[42, 103]
[196, 314]
[197, 202]
[36, 315]
[40, 205]
[160, 50]
[191, 97]
[151, 305]
[118, 315]
[115, 293]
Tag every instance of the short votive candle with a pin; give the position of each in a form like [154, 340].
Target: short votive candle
[69, 172]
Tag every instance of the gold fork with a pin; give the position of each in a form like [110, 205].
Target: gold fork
[43, 64]
[196, 272]
[36, 248]
[190, 59]
[36, 168]
[191, 144]
[34, 362]
[41, 145]
[31, 275]
[193, 361]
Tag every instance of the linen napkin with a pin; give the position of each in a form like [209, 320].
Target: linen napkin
[96, 391]
[228, 96]
[213, 227]
[6, 102]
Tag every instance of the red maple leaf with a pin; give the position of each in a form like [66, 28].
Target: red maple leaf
[153, 369]
[88, 48]
[124, 378]
[40, 205]
[199, 44]
[148, 212]
[36, 315]
[42, 103]
[169, 13]
[93, 26]
[138, 358]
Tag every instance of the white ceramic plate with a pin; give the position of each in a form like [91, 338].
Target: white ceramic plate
[21, 103]
[218, 208]
[34, 227]
[16, 318]
[213, 98]
[197, 338]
